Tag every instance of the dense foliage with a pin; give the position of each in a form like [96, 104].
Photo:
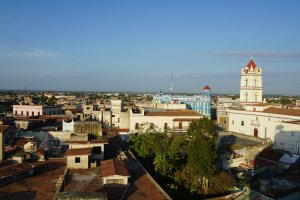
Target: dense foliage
[184, 162]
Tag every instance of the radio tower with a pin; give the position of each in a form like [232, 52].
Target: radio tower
[171, 88]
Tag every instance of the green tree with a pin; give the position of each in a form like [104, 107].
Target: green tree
[162, 163]
[202, 151]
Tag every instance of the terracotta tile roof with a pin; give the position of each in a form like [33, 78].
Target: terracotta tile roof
[282, 111]
[185, 119]
[270, 155]
[22, 141]
[172, 113]
[10, 170]
[94, 141]
[3, 128]
[81, 151]
[40, 151]
[116, 130]
[258, 104]
[113, 167]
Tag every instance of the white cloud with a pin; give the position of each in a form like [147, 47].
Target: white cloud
[261, 54]
[29, 54]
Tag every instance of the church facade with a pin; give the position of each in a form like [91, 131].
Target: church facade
[199, 103]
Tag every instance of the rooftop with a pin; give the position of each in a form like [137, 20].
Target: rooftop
[113, 167]
[3, 128]
[172, 113]
[185, 119]
[39, 186]
[94, 141]
[282, 111]
[81, 151]
[10, 170]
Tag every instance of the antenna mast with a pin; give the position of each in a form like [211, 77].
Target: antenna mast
[171, 88]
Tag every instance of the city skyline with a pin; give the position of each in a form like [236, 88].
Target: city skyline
[135, 46]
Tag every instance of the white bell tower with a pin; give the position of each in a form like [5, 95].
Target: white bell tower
[251, 83]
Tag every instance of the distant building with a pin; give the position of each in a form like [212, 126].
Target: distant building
[87, 127]
[198, 103]
[5, 131]
[175, 120]
[38, 110]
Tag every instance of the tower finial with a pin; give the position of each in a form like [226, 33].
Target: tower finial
[251, 58]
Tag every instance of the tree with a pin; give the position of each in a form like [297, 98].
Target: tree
[162, 163]
[202, 151]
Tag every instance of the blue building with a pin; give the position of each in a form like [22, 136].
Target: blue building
[199, 103]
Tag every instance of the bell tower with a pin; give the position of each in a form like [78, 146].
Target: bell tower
[251, 83]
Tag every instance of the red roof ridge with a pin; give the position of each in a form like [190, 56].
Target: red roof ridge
[251, 64]
[206, 87]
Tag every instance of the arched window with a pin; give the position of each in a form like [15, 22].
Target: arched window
[246, 96]
[246, 82]
[256, 97]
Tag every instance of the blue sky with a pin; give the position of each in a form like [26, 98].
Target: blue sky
[135, 45]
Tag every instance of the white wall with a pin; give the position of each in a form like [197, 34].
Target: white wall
[84, 162]
[271, 126]
[123, 178]
[68, 126]
[89, 145]
[158, 121]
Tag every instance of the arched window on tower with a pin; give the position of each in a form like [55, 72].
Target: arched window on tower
[255, 82]
[256, 97]
[246, 96]
[246, 82]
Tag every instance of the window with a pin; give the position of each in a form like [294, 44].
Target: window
[16, 112]
[180, 125]
[97, 150]
[77, 159]
[166, 126]
[21, 112]
[256, 118]
[232, 122]
[151, 126]
[39, 113]
[242, 123]
[114, 181]
[118, 119]
[32, 113]
[136, 126]
[27, 113]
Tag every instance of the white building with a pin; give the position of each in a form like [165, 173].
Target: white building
[78, 158]
[263, 120]
[114, 171]
[251, 83]
[176, 120]
[96, 145]
[282, 126]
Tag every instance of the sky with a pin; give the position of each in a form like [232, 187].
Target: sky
[135, 45]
